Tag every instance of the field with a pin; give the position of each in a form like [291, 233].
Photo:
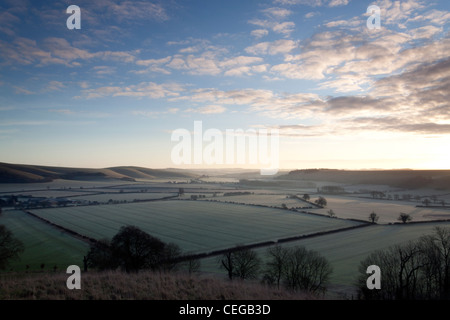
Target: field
[43, 243]
[275, 200]
[345, 250]
[126, 196]
[388, 210]
[196, 226]
[217, 221]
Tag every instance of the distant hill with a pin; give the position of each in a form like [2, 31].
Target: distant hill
[410, 179]
[18, 173]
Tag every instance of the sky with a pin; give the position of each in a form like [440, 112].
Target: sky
[335, 91]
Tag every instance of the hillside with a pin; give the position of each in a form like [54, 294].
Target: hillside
[18, 173]
[410, 179]
[144, 285]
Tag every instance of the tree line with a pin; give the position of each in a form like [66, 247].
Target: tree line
[418, 269]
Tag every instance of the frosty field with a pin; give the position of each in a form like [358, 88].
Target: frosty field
[387, 210]
[345, 250]
[196, 226]
[43, 243]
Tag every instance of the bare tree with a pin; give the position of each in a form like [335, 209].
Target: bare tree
[240, 262]
[426, 202]
[373, 217]
[306, 197]
[306, 270]
[192, 264]
[331, 213]
[276, 264]
[247, 264]
[404, 217]
[227, 262]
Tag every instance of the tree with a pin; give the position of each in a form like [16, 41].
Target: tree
[100, 256]
[306, 197]
[373, 217]
[240, 262]
[191, 263]
[134, 249]
[276, 264]
[404, 217]
[227, 262]
[284, 206]
[419, 269]
[180, 192]
[331, 213]
[321, 201]
[426, 202]
[247, 264]
[10, 247]
[306, 270]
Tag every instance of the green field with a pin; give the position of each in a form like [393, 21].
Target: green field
[43, 243]
[346, 249]
[196, 226]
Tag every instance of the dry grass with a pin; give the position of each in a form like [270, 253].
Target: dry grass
[141, 286]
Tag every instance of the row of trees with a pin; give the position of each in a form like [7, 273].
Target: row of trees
[295, 268]
[132, 249]
[416, 270]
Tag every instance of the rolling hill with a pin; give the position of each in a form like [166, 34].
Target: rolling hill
[18, 173]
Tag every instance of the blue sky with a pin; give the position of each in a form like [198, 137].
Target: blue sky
[111, 93]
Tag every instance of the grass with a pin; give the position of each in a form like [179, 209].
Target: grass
[387, 210]
[142, 286]
[264, 199]
[43, 243]
[345, 250]
[196, 226]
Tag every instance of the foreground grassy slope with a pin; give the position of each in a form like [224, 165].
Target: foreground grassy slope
[43, 244]
[196, 226]
[141, 286]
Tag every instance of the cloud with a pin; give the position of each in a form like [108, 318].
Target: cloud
[314, 3]
[53, 50]
[54, 86]
[62, 111]
[209, 109]
[272, 48]
[144, 89]
[285, 27]
[20, 90]
[277, 13]
[155, 114]
[259, 33]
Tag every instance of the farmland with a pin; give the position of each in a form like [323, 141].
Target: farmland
[228, 212]
[43, 244]
[345, 250]
[388, 210]
[189, 223]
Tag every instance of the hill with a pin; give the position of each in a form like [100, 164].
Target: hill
[145, 285]
[19, 173]
[410, 179]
